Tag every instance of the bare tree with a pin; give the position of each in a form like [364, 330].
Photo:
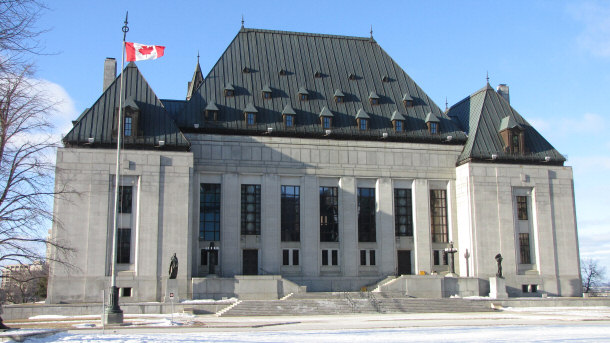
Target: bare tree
[26, 283]
[592, 274]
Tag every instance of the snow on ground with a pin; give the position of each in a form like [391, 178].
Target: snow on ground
[210, 301]
[550, 333]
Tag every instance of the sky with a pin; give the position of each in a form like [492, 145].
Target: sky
[554, 56]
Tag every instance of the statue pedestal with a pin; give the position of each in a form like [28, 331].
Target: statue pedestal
[171, 288]
[497, 288]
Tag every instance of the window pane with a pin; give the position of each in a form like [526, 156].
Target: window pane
[291, 218]
[329, 214]
[295, 257]
[125, 199]
[366, 215]
[127, 126]
[250, 209]
[335, 257]
[204, 257]
[524, 247]
[522, 207]
[363, 257]
[123, 246]
[438, 210]
[209, 211]
[285, 257]
[372, 257]
[324, 257]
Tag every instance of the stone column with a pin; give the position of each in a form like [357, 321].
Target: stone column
[421, 230]
[270, 248]
[385, 227]
[348, 226]
[230, 255]
[310, 226]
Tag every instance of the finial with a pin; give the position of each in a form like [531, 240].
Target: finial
[487, 78]
[446, 105]
[371, 31]
[242, 21]
[125, 28]
[197, 56]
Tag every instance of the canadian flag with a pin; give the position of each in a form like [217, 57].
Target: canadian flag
[140, 52]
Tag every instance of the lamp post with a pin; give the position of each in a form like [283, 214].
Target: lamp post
[451, 250]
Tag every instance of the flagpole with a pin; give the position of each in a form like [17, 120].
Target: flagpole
[114, 314]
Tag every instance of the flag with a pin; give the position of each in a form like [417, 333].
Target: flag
[140, 52]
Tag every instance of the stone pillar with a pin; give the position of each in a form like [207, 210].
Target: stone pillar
[230, 221]
[421, 230]
[270, 248]
[348, 226]
[497, 288]
[385, 227]
[310, 226]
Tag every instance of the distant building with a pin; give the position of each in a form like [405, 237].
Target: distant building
[12, 274]
[311, 160]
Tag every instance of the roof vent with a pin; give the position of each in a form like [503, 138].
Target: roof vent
[318, 74]
[352, 76]
[283, 72]
[246, 70]
[385, 79]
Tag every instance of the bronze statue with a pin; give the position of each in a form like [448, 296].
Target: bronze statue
[173, 267]
[499, 260]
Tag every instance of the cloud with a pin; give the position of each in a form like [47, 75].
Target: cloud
[595, 18]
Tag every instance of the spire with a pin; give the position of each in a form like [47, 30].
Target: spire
[196, 81]
[446, 105]
[371, 31]
[487, 77]
[242, 21]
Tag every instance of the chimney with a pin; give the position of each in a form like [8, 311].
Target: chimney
[109, 72]
[503, 91]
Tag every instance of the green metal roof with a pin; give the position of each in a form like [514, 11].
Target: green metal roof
[373, 95]
[250, 108]
[266, 52]
[325, 112]
[481, 115]
[431, 117]
[288, 110]
[362, 114]
[339, 93]
[211, 107]
[396, 115]
[266, 89]
[100, 120]
[508, 122]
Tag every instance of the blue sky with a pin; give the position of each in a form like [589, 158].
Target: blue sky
[554, 55]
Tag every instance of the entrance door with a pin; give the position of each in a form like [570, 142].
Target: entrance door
[404, 262]
[250, 262]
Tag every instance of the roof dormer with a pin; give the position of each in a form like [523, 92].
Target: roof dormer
[131, 117]
[266, 92]
[362, 118]
[303, 94]
[339, 96]
[432, 122]
[211, 112]
[374, 98]
[512, 135]
[398, 121]
[229, 90]
[326, 118]
[288, 116]
[250, 114]
[407, 100]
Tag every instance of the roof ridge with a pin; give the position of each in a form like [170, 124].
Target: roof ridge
[322, 35]
[485, 88]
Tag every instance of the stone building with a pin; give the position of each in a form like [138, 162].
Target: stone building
[311, 162]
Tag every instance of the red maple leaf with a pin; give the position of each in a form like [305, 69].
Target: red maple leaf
[145, 50]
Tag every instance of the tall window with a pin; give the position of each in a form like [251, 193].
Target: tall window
[291, 218]
[289, 120]
[524, 248]
[522, 207]
[127, 126]
[433, 127]
[250, 209]
[398, 125]
[123, 246]
[363, 124]
[250, 117]
[438, 209]
[329, 214]
[515, 142]
[125, 199]
[366, 215]
[403, 212]
[209, 212]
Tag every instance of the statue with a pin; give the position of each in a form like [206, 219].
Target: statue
[173, 267]
[499, 260]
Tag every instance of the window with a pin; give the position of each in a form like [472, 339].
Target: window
[209, 212]
[438, 254]
[434, 128]
[515, 143]
[366, 215]
[126, 291]
[123, 246]
[329, 214]
[295, 257]
[398, 125]
[374, 101]
[403, 212]
[285, 257]
[125, 199]
[438, 210]
[524, 248]
[522, 207]
[371, 259]
[250, 118]
[289, 120]
[334, 257]
[229, 92]
[266, 95]
[363, 124]
[205, 259]
[250, 209]
[338, 99]
[211, 115]
[127, 126]
[326, 122]
[290, 208]
[303, 97]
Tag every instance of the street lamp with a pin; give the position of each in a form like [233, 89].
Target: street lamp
[451, 250]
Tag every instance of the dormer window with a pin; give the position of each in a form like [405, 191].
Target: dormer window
[326, 118]
[512, 135]
[211, 112]
[128, 126]
[246, 70]
[303, 94]
[374, 98]
[288, 115]
[432, 122]
[407, 100]
[229, 90]
[398, 121]
[385, 79]
[339, 96]
[266, 92]
[363, 124]
[317, 74]
[352, 77]
[283, 72]
[250, 114]
[363, 120]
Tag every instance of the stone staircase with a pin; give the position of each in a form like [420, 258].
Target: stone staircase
[328, 303]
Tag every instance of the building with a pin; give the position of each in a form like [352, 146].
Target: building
[311, 160]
